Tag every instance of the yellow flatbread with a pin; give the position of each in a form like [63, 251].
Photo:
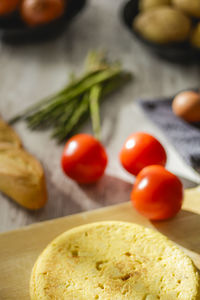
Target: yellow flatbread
[113, 261]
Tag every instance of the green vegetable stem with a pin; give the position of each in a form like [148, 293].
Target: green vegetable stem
[66, 110]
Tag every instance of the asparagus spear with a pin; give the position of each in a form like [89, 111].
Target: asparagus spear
[94, 97]
[67, 110]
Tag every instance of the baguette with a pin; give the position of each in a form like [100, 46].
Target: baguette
[8, 135]
[22, 177]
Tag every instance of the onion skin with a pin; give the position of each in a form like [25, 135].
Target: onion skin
[41, 12]
[8, 6]
[186, 105]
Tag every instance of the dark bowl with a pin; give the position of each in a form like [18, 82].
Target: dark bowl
[177, 52]
[13, 30]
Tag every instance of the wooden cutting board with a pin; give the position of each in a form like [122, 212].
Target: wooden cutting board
[19, 249]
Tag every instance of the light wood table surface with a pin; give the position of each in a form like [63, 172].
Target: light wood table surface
[28, 73]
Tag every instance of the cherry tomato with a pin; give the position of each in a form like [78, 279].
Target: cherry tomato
[38, 12]
[8, 6]
[141, 150]
[157, 193]
[84, 158]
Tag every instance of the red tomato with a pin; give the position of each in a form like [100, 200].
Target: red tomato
[38, 12]
[141, 150]
[157, 194]
[8, 6]
[84, 158]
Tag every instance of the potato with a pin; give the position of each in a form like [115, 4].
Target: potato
[195, 36]
[163, 25]
[149, 4]
[190, 7]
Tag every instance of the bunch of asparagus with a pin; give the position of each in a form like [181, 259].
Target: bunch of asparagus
[66, 111]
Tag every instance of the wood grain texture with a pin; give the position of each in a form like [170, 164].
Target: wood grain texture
[29, 73]
[20, 249]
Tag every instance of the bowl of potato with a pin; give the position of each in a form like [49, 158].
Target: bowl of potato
[169, 28]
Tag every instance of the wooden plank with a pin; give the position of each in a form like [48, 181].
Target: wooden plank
[20, 248]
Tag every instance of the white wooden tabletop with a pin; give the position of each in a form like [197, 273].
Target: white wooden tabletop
[28, 73]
